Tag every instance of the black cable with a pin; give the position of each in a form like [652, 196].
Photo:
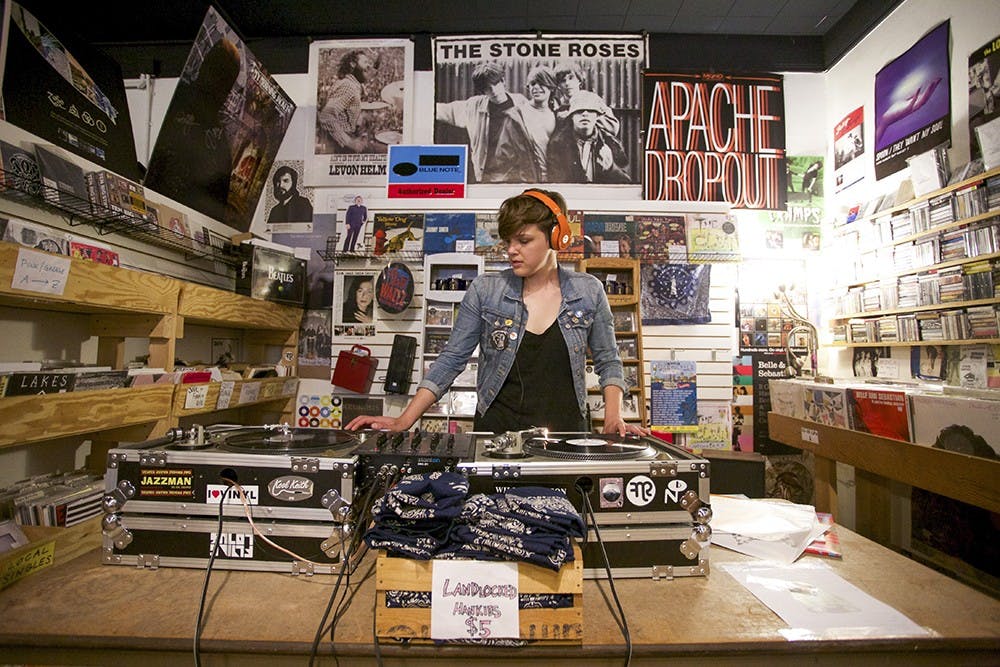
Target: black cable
[611, 579]
[361, 512]
[208, 575]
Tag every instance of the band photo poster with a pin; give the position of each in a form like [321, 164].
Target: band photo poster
[537, 109]
[715, 137]
[363, 92]
[65, 91]
[913, 102]
[222, 129]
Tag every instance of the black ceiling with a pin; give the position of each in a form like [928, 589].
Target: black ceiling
[748, 35]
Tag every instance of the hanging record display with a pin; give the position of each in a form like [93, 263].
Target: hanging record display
[394, 288]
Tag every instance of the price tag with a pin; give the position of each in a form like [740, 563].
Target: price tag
[225, 394]
[249, 392]
[40, 272]
[196, 397]
[474, 600]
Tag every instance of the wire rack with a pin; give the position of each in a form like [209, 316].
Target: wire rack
[80, 211]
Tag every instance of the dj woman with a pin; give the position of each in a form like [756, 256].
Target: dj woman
[534, 324]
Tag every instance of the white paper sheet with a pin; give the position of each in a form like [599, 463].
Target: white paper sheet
[817, 603]
[764, 528]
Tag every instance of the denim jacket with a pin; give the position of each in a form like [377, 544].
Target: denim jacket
[492, 315]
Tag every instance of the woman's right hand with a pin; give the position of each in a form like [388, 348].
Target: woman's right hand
[377, 422]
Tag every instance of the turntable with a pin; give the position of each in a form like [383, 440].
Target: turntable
[286, 473]
[629, 479]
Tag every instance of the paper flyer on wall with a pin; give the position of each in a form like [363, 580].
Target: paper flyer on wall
[362, 92]
[674, 396]
[848, 147]
[222, 130]
[538, 81]
[714, 137]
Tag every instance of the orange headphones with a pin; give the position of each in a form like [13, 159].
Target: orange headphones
[561, 233]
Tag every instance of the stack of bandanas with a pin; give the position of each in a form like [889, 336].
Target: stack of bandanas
[428, 516]
[529, 523]
[415, 517]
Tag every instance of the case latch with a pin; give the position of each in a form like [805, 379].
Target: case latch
[303, 464]
[506, 471]
[663, 469]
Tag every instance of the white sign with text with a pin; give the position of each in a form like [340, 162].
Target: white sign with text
[474, 600]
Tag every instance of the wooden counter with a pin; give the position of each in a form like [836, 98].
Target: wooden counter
[83, 612]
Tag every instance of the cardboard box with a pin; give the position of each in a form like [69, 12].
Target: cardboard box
[265, 273]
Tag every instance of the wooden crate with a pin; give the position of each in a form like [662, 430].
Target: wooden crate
[542, 626]
[49, 546]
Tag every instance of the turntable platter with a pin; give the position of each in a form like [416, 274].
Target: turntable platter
[589, 448]
[284, 441]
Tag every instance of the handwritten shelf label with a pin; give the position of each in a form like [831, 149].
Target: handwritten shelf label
[32, 560]
[40, 272]
[810, 435]
[474, 600]
[196, 397]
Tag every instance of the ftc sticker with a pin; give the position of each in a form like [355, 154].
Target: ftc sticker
[640, 490]
[214, 493]
[233, 545]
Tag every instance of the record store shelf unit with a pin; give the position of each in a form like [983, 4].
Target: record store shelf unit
[114, 303]
[620, 277]
[925, 271]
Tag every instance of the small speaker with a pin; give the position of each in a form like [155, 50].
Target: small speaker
[397, 377]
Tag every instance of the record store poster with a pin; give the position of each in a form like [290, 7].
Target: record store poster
[526, 104]
[222, 129]
[984, 90]
[716, 138]
[66, 92]
[913, 103]
[362, 105]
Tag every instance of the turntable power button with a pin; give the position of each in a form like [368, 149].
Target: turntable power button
[611, 492]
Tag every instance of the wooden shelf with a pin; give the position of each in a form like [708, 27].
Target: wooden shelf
[215, 307]
[266, 390]
[28, 419]
[921, 269]
[916, 309]
[918, 343]
[970, 479]
[90, 287]
[930, 195]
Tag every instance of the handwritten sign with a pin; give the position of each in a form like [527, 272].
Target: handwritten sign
[32, 560]
[474, 600]
[249, 392]
[40, 272]
[196, 397]
[225, 394]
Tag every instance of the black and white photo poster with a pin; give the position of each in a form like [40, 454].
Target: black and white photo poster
[363, 93]
[541, 109]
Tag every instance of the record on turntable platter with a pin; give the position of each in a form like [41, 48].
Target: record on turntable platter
[284, 440]
[589, 447]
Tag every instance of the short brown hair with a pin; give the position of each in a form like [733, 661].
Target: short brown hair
[520, 210]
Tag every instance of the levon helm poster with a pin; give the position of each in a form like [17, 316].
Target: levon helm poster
[715, 138]
[539, 109]
[363, 93]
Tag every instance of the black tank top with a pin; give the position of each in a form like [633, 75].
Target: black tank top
[538, 390]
